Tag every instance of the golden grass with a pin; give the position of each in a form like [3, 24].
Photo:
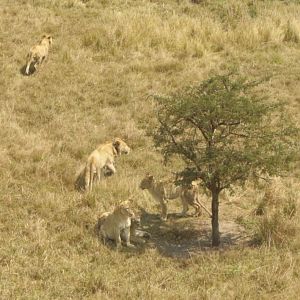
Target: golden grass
[107, 58]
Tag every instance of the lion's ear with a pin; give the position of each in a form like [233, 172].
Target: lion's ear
[125, 203]
[116, 143]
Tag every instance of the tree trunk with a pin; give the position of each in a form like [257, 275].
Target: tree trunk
[215, 218]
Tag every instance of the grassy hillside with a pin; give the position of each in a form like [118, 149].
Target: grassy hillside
[108, 56]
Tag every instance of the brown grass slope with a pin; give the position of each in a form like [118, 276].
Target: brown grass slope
[107, 58]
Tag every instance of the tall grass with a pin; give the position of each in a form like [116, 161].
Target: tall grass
[278, 221]
[107, 58]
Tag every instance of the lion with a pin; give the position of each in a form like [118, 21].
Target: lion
[163, 191]
[100, 160]
[39, 52]
[116, 225]
[136, 235]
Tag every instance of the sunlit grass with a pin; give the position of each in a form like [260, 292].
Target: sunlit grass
[107, 59]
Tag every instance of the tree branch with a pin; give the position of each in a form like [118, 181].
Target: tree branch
[201, 129]
[229, 123]
[179, 147]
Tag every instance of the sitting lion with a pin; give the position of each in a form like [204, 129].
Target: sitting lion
[100, 160]
[136, 234]
[163, 191]
[116, 225]
[38, 53]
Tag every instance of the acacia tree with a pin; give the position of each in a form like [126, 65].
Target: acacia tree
[224, 132]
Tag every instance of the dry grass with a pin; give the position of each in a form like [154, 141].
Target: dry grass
[107, 58]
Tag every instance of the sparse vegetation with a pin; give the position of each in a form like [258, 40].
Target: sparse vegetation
[107, 58]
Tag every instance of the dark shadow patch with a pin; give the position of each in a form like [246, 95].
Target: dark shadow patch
[79, 183]
[182, 237]
[174, 239]
[31, 70]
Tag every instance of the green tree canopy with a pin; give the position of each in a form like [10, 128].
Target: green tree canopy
[225, 131]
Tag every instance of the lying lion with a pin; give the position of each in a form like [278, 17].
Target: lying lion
[101, 159]
[38, 53]
[116, 225]
[163, 191]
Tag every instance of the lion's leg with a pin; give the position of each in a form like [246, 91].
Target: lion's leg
[103, 235]
[36, 65]
[98, 175]
[91, 179]
[118, 238]
[43, 59]
[87, 177]
[127, 237]
[185, 206]
[163, 205]
[40, 60]
[197, 208]
[111, 167]
[29, 62]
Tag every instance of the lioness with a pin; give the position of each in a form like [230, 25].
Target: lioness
[136, 234]
[39, 52]
[116, 225]
[163, 191]
[103, 156]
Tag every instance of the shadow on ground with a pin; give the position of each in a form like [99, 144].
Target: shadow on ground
[183, 237]
[31, 70]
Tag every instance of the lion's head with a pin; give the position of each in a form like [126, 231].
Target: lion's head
[124, 210]
[147, 182]
[120, 146]
[48, 38]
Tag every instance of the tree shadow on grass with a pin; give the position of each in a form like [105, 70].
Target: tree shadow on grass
[184, 237]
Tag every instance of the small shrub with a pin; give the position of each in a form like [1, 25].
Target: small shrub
[275, 230]
[89, 40]
[276, 225]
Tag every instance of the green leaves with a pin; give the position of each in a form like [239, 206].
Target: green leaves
[225, 130]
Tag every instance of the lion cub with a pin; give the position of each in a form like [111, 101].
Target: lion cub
[39, 52]
[116, 225]
[163, 191]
